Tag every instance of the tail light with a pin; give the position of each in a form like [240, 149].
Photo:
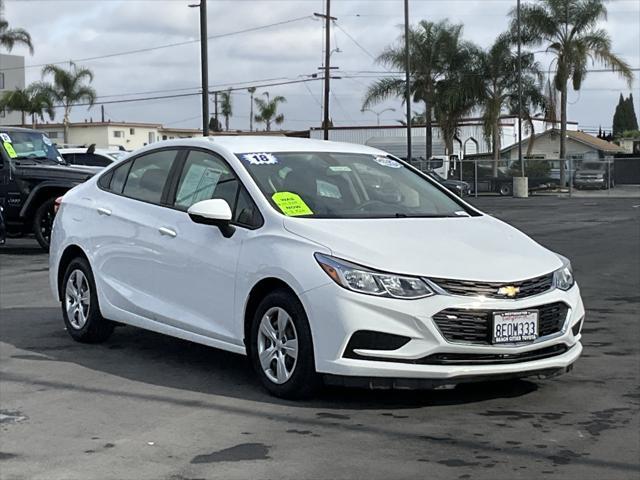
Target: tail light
[56, 204]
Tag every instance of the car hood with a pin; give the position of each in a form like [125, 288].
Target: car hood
[44, 171]
[468, 248]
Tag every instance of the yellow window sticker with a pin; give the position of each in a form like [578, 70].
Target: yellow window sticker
[9, 148]
[291, 204]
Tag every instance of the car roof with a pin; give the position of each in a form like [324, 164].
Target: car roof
[99, 151]
[260, 144]
[19, 129]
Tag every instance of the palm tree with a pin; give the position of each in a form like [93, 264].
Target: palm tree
[569, 30]
[226, 107]
[498, 69]
[268, 110]
[33, 100]
[68, 88]
[251, 91]
[10, 37]
[432, 51]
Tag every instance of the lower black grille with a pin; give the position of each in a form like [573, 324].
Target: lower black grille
[470, 288]
[474, 326]
[491, 359]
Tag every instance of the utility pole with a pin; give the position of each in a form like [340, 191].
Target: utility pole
[407, 93]
[204, 66]
[102, 113]
[327, 65]
[520, 159]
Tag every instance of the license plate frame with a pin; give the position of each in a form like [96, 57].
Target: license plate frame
[515, 327]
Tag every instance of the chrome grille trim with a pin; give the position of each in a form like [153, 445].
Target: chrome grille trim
[472, 288]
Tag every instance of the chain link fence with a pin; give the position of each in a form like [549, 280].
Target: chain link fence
[486, 176]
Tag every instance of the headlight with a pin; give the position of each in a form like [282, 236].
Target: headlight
[363, 280]
[563, 277]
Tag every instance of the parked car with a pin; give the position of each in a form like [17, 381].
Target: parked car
[593, 175]
[91, 156]
[458, 187]
[277, 248]
[32, 175]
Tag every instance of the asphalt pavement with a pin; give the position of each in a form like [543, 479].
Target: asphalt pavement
[145, 406]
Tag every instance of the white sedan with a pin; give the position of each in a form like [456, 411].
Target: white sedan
[319, 260]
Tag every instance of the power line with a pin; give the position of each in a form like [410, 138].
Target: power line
[168, 45]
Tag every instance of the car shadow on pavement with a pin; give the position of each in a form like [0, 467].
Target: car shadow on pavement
[142, 356]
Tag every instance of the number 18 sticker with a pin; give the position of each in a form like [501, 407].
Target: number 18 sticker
[260, 158]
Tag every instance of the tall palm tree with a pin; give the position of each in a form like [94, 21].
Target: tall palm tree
[69, 88]
[433, 50]
[33, 100]
[498, 69]
[569, 30]
[251, 91]
[226, 107]
[10, 37]
[268, 110]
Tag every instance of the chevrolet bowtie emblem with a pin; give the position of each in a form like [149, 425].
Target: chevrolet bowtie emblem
[509, 291]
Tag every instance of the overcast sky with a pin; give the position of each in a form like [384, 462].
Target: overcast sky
[77, 29]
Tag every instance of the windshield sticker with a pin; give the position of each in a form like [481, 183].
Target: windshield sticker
[387, 162]
[291, 204]
[340, 168]
[46, 140]
[260, 158]
[9, 148]
[5, 137]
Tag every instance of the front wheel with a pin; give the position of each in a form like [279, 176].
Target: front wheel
[281, 347]
[43, 223]
[80, 308]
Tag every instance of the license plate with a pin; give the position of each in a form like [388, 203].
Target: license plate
[515, 327]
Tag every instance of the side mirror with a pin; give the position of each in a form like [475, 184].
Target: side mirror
[213, 212]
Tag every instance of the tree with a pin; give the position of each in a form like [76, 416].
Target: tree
[498, 73]
[214, 126]
[624, 118]
[251, 91]
[633, 119]
[69, 88]
[430, 54]
[10, 37]
[226, 107]
[33, 100]
[569, 30]
[268, 110]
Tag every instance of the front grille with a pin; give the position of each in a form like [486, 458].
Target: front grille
[491, 358]
[474, 326]
[470, 288]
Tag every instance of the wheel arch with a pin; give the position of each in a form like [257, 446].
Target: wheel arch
[70, 252]
[257, 293]
[40, 194]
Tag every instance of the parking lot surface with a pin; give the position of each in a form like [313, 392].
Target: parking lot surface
[145, 406]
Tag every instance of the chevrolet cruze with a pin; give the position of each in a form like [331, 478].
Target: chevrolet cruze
[318, 260]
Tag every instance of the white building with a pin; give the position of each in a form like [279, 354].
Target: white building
[11, 77]
[470, 139]
[129, 135]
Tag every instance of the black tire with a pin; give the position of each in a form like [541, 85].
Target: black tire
[304, 380]
[505, 190]
[43, 222]
[96, 328]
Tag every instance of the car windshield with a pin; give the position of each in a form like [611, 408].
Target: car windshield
[25, 145]
[347, 185]
[592, 166]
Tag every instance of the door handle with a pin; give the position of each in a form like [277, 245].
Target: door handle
[167, 232]
[104, 211]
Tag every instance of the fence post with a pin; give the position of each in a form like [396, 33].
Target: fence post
[608, 176]
[570, 176]
[475, 177]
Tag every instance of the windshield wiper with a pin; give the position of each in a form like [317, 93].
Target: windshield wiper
[424, 215]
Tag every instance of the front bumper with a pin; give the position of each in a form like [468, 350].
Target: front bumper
[589, 182]
[335, 314]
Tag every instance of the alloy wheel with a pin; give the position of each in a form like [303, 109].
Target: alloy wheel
[277, 345]
[77, 299]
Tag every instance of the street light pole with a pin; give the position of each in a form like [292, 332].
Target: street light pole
[407, 93]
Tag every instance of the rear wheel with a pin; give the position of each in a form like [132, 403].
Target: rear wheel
[281, 347]
[506, 189]
[43, 223]
[80, 308]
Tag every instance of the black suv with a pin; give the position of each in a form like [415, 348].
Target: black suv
[32, 175]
